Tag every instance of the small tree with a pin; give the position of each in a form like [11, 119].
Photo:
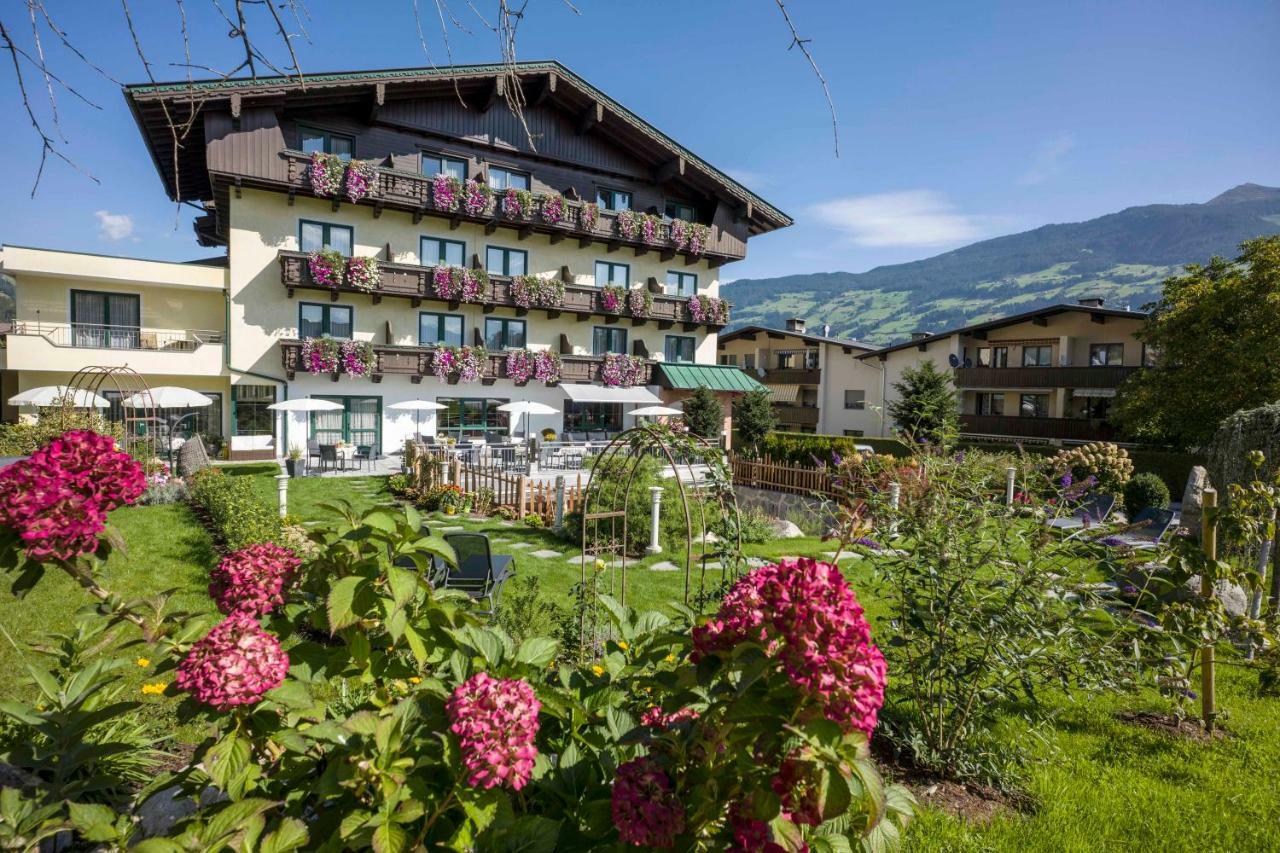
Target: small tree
[926, 407]
[753, 418]
[703, 415]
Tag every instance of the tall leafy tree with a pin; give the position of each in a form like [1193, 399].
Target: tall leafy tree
[927, 407]
[1214, 334]
[753, 419]
[703, 415]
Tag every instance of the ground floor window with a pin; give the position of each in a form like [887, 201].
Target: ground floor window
[580, 417]
[472, 417]
[985, 403]
[1093, 408]
[249, 412]
[1034, 406]
[854, 433]
[359, 422]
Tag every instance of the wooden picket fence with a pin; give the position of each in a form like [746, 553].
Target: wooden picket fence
[767, 474]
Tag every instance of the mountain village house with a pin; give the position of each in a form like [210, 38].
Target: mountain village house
[384, 242]
[1047, 375]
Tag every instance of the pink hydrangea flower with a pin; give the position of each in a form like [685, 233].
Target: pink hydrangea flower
[235, 664]
[646, 810]
[656, 718]
[806, 617]
[796, 783]
[57, 500]
[496, 721]
[753, 836]
[252, 579]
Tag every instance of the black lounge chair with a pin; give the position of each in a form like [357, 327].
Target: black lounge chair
[1092, 513]
[479, 573]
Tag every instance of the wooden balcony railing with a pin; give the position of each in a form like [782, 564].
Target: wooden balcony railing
[1042, 377]
[412, 192]
[413, 282]
[793, 376]
[1071, 429]
[794, 413]
[416, 363]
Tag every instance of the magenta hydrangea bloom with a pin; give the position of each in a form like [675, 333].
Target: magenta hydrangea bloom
[753, 836]
[797, 784]
[57, 500]
[806, 617]
[646, 810]
[235, 664]
[252, 579]
[496, 721]
[656, 718]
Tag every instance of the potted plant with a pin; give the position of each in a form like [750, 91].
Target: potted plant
[295, 464]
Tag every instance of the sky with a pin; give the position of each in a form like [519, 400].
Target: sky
[957, 121]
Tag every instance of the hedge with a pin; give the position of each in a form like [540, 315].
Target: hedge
[238, 514]
[802, 448]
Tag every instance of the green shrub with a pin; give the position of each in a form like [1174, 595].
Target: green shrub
[25, 438]
[1143, 491]
[239, 516]
[1108, 463]
[609, 494]
[754, 524]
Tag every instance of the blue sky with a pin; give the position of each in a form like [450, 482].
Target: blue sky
[958, 121]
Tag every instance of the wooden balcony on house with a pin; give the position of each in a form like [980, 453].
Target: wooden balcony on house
[1042, 377]
[416, 363]
[411, 192]
[413, 282]
[793, 376]
[1070, 429]
[796, 413]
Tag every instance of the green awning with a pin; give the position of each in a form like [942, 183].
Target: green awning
[717, 377]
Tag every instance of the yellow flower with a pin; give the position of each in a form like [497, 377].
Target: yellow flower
[670, 658]
[599, 565]
[598, 669]
[143, 662]
[413, 679]
[156, 689]
[624, 645]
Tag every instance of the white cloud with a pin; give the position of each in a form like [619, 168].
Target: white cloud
[114, 226]
[906, 218]
[1048, 160]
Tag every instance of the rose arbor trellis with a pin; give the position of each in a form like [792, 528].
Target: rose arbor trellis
[702, 485]
[138, 422]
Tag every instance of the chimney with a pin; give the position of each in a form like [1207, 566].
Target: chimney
[796, 324]
[915, 336]
[826, 330]
[1092, 302]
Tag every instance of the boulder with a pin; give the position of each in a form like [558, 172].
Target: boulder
[783, 529]
[1192, 501]
[1234, 598]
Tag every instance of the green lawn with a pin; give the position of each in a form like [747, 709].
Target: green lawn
[1099, 784]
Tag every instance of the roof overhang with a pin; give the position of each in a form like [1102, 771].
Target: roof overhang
[604, 394]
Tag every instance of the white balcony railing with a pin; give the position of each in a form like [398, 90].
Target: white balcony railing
[115, 337]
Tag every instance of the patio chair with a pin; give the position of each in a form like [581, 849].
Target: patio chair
[575, 436]
[328, 456]
[1147, 530]
[436, 574]
[364, 455]
[598, 435]
[313, 450]
[1090, 514]
[479, 573]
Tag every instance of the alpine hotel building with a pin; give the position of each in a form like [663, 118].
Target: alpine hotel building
[393, 235]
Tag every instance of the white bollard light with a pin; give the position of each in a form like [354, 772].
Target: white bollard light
[282, 490]
[895, 495]
[655, 546]
[1010, 474]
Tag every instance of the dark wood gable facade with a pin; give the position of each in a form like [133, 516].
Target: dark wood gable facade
[250, 136]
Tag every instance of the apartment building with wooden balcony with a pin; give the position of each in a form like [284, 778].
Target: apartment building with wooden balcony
[1048, 374]
[805, 374]
[382, 227]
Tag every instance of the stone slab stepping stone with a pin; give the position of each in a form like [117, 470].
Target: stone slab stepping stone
[611, 563]
[844, 555]
[456, 528]
[715, 565]
[756, 562]
[506, 523]
[519, 545]
[544, 554]
[664, 566]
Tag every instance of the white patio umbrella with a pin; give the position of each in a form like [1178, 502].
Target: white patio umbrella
[528, 408]
[655, 412]
[54, 395]
[167, 397]
[301, 404]
[417, 407]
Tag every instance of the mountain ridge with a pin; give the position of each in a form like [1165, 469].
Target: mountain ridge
[1122, 257]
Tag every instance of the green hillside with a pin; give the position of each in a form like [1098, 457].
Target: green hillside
[1122, 257]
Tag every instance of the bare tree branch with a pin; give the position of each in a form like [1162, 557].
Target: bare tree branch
[802, 43]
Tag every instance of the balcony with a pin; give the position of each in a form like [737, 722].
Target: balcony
[416, 363]
[1070, 429]
[411, 192]
[796, 413]
[1042, 377]
[71, 346]
[793, 376]
[413, 282]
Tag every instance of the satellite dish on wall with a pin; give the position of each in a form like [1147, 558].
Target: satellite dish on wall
[954, 360]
